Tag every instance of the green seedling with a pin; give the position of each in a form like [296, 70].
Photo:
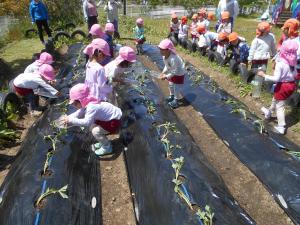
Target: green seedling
[206, 216]
[63, 106]
[57, 137]
[177, 165]
[51, 191]
[46, 164]
[241, 111]
[151, 109]
[293, 153]
[259, 125]
[168, 128]
[197, 78]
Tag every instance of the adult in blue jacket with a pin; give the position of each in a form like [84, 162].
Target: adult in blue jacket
[39, 16]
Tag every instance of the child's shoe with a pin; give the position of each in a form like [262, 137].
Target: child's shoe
[170, 98]
[279, 129]
[267, 113]
[173, 104]
[103, 149]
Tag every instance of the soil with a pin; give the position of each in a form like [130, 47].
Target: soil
[254, 105]
[244, 186]
[117, 204]
[9, 155]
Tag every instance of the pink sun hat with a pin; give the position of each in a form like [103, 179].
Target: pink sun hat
[288, 52]
[167, 44]
[47, 71]
[140, 21]
[110, 27]
[126, 54]
[45, 58]
[96, 30]
[97, 44]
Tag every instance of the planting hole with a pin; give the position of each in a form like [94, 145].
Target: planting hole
[41, 204]
[47, 173]
[195, 207]
[182, 178]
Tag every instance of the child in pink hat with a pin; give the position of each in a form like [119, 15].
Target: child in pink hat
[96, 41]
[284, 77]
[173, 72]
[96, 31]
[95, 74]
[139, 34]
[45, 58]
[108, 37]
[26, 83]
[102, 118]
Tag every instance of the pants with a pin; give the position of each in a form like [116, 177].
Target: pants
[175, 89]
[32, 100]
[40, 24]
[279, 107]
[91, 21]
[100, 135]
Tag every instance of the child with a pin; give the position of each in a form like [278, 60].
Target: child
[210, 17]
[95, 74]
[101, 117]
[96, 31]
[174, 26]
[96, 41]
[174, 71]
[45, 58]
[26, 83]
[240, 49]
[39, 15]
[210, 38]
[222, 44]
[193, 27]
[117, 67]
[139, 34]
[262, 47]
[90, 12]
[225, 25]
[112, 7]
[108, 37]
[284, 76]
[202, 17]
[183, 30]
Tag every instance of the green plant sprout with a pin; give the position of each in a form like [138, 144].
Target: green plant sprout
[168, 128]
[241, 111]
[206, 216]
[51, 191]
[293, 153]
[259, 125]
[177, 165]
[46, 164]
[55, 138]
[63, 106]
[197, 78]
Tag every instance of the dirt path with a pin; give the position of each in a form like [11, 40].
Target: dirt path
[253, 104]
[117, 206]
[242, 184]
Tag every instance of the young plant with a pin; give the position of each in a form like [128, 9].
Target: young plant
[177, 165]
[241, 111]
[63, 106]
[206, 216]
[259, 125]
[168, 128]
[197, 78]
[293, 153]
[60, 132]
[51, 191]
[46, 164]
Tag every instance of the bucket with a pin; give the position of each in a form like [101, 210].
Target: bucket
[256, 89]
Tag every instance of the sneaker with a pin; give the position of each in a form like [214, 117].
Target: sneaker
[170, 98]
[279, 129]
[104, 150]
[96, 147]
[173, 104]
[266, 112]
[35, 113]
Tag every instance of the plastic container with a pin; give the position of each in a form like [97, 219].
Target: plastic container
[256, 89]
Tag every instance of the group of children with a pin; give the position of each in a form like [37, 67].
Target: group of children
[285, 58]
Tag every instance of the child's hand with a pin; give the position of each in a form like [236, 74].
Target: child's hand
[65, 120]
[261, 73]
[162, 76]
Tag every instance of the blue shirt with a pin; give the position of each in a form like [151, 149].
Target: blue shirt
[241, 52]
[108, 38]
[38, 11]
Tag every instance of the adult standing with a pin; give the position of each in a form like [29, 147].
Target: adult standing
[90, 12]
[39, 16]
[232, 6]
[112, 10]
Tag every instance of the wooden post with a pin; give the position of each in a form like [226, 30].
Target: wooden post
[124, 9]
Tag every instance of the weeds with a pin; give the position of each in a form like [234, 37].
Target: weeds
[245, 89]
[51, 191]
[206, 216]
